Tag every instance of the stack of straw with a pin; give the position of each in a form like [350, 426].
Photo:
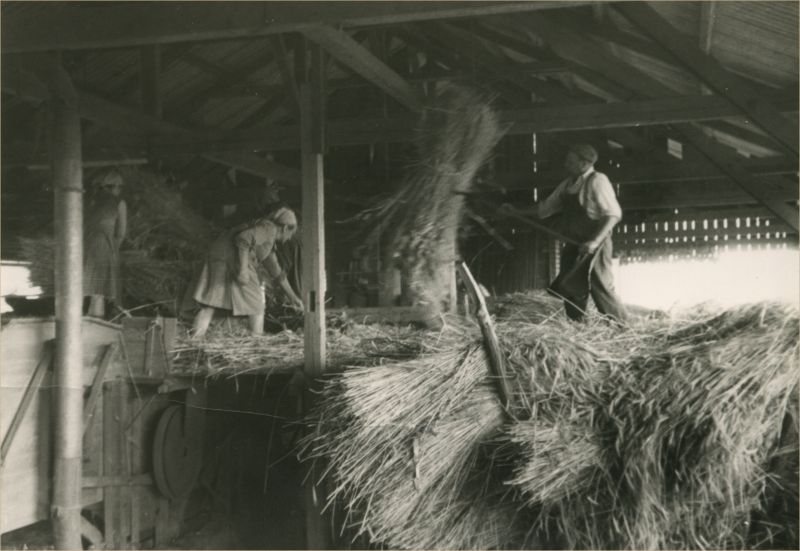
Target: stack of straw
[165, 237]
[229, 349]
[418, 224]
[657, 436]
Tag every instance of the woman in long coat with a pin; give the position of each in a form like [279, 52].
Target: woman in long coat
[229, 278]
[105, 227]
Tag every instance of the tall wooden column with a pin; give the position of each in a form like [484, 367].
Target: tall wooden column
[313, 265]
[68, 190]
[313, 222]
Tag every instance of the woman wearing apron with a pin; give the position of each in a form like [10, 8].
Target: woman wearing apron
[229, 278]
[105, 225]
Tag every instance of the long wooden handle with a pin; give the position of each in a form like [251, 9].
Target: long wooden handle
[497, 361]
[539, 226]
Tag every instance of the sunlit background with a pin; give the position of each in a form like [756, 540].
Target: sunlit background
[15, 280]
[732, 278]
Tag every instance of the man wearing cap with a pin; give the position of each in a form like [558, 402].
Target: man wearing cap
[589, 211]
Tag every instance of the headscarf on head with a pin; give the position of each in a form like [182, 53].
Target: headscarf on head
[111, 178]
[284, 216]
[585, 152]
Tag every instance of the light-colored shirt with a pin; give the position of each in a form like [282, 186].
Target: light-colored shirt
[594, 191]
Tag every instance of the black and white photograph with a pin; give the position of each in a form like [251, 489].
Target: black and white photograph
[400, 274]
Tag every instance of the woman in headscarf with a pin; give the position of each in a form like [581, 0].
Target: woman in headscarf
[106, 223]
[229, 279]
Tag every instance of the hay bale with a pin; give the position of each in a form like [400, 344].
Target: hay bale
[406, 445]
[658, 436]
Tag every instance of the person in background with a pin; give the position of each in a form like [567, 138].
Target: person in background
[105, 226]
[589, 211]
[229, 278]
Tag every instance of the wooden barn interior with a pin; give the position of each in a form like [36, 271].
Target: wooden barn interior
[117, 433]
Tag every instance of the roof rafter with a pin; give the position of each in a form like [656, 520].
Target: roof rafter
[107, 113]
[585, 50]
[520, 121]
[709, 71]
[112, 24]
[350, 53]
[225, 78]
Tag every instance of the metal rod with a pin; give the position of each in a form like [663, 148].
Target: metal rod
[68, 190]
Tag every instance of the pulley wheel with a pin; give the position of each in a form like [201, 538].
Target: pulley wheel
[177, 456]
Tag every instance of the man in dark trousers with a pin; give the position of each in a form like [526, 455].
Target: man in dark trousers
[589, 211]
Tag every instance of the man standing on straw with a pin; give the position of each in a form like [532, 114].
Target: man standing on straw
[589, 211]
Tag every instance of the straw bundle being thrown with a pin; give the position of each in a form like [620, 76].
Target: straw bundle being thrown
[658, 436]
[418, 224]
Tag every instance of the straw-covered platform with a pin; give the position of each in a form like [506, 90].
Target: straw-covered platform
[672, 433]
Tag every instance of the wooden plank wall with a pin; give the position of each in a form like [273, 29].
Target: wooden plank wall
[25, 478]
[500, 271]
[700, 234]
[126, 413]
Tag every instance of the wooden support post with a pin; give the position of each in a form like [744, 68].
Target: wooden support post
[111, 465]
[313, 220]
[123, 449]
[68, 190]
[313, 235]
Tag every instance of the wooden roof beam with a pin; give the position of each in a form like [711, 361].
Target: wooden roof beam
[442, 54]
[609, 33]
[226, 78]
[353, 55]
[287, 73]
[710, 72]
[112, 24]
[106, 113]
[708, 16]
[587, 51]
[520, 121]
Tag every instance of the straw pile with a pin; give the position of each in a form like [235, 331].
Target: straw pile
[165, 237]
[658, 436]
[419, 222]
[229, 349]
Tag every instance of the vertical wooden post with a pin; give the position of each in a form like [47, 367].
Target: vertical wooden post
[150, 63]
[312, 146]
[68, 191]
[111, 465]
[537, 263]
[313, 227]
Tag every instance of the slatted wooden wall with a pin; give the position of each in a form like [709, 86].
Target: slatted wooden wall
[693, 234]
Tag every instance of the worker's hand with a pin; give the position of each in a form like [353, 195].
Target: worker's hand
[242, 279]
[297, 304]
[587, 248]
